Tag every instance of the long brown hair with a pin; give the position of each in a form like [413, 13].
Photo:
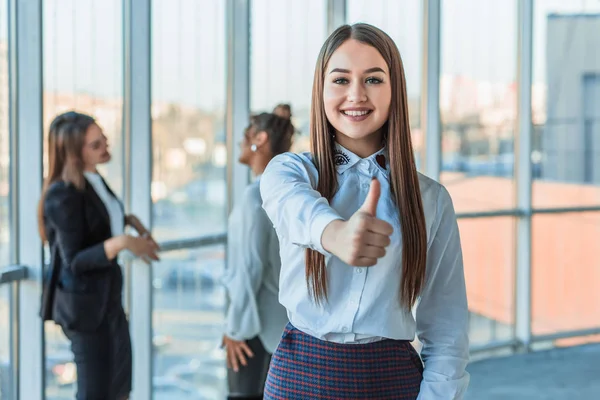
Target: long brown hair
[66, 138]
[404, 181]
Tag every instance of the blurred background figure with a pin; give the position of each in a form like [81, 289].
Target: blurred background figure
[83, 222]
[254, 319]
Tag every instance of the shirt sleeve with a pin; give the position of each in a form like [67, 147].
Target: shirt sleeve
[442, 313]
[298, 212]
[247, 257]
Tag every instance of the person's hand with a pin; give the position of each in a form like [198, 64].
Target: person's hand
[141, 230]
[146, 235]
[237, 351]
[362, 239]
[143, 248]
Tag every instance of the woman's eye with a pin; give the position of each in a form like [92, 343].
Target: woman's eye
[374, 81]
[340, 81]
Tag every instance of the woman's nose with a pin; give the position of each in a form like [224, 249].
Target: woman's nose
[356, 93]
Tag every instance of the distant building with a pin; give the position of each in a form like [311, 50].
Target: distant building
[571, 138]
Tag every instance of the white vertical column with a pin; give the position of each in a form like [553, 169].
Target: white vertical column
[238, 94]
[430, 99]
[523, 136]
[336, 14]
[25, 57]
[138, 137]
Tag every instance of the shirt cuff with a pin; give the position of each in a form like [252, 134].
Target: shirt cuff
[317, 228]
[232, 329]
[444, 390]
[235, 336]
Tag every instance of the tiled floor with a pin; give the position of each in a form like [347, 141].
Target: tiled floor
[560, 374]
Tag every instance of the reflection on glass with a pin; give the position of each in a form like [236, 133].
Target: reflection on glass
[565, 272]
[286, 37]
[566, 94]
[478, 101]
[488, 252]
[188, 126]
[6, 371]
[188, 323]
[83, 62]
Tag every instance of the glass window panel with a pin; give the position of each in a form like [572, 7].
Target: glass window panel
[83, 71]
[565, 272]
[478, 101]
[488, 253]
[6, 366]
[188, 118]
[286, 37]
[188, 323]
[565, 98]
[5, 235]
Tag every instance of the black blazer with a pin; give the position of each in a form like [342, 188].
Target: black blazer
[81, 283]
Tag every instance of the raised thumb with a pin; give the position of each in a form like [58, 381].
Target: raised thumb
[370, 204]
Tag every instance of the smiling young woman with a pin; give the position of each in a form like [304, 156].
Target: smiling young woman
[363, 236]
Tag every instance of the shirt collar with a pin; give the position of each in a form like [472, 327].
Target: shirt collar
[345, 159]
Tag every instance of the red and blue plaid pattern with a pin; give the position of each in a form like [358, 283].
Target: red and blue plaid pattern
[304, 368]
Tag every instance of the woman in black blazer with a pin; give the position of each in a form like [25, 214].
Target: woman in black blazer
[83, 221]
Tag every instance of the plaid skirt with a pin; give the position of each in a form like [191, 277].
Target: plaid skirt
[304, 367]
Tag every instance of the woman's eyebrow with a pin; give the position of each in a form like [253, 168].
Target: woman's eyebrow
[367, 71]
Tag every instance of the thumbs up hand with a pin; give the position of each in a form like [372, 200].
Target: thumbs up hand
[370, 204]
[362, 239]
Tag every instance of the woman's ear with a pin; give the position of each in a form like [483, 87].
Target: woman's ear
[260, 138]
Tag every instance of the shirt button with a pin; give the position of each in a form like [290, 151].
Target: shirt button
[344, 329]
[359, 270]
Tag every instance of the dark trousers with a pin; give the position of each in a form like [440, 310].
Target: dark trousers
[249, 382]
[103, 359]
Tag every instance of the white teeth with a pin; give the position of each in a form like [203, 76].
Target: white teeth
[355, 113]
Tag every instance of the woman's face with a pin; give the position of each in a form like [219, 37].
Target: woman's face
[357, 92]
[95, 148]
[245, 151]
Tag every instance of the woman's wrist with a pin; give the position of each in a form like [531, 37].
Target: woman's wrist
[330, 235]
[116, 244]
[130, 219]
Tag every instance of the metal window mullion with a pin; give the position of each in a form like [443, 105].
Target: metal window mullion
[25, 74]
[523, 177]
[238, 94]
[138, 160]
[430, 99]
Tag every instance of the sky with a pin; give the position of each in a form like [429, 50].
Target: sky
[83, 44]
